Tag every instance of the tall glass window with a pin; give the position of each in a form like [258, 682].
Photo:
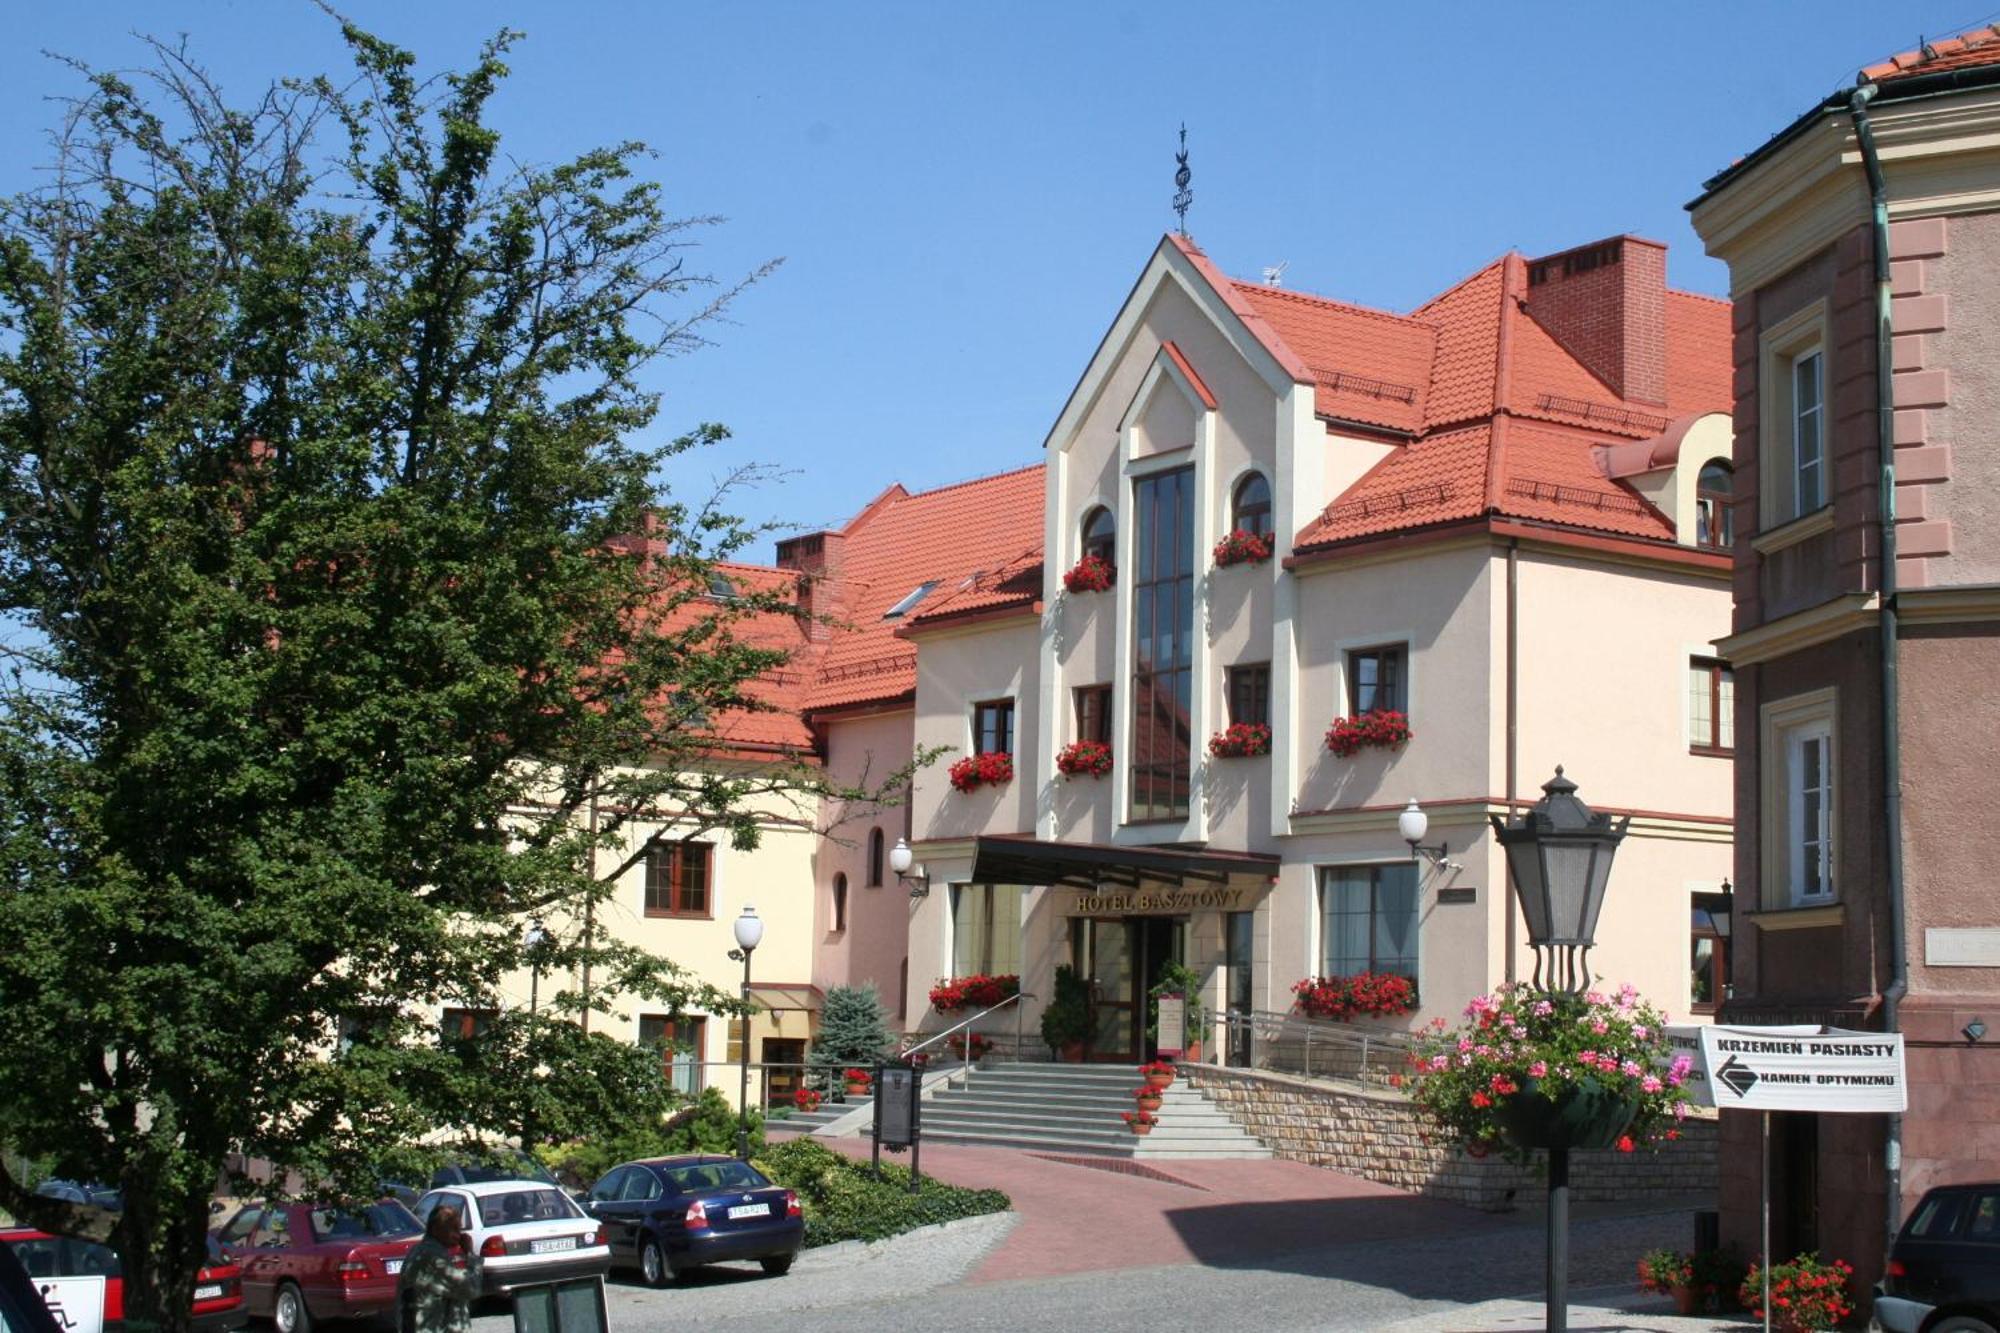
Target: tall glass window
[985, 930]
[1163, 643]
[1368, 919]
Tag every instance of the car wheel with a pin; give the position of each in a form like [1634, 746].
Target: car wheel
[288, 1311]
[654, 1269]
[777, 1265]
[1959, 1323]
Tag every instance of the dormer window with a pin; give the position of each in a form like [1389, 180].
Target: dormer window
[910, 600]
[1713, 527]
[1100, 535]
[720, 587]
[1250, 507]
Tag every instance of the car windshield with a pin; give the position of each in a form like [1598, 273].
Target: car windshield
[377, 1220]
[538, 1205]
[714, 1176]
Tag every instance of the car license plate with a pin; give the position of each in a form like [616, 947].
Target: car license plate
[209, 1293]
[551, 1246]
[392, 1266]
[751, 1210]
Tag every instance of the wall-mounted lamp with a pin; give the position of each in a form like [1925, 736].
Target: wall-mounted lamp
[1412, 824]
[901, 860]
[1975, 1030]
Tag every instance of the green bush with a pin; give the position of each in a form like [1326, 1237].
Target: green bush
[843, 1200]
[708, 1124]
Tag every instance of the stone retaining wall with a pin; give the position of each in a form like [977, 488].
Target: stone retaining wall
[1377, 1134]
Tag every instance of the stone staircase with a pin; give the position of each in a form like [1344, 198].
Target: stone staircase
[811, 1122]
[1068, 1108]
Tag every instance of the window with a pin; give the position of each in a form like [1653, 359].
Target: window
[682, 1042]
[1376, 680]
[1250, 693]
[720, 587]
[1797, 795]
[910, 600]
[1100, 535]
[1793, 443]
[677, 878]
[1250, 507]
[875, 858]
[993, 727]
[1163, 650]
[839, 903]
[1713, 526]
[1808, 759]
[465, 1024]
[1368, 920]
[1093, 713]
[1708, 955]
[1711, 706]
[1808, 417]
[985, 930]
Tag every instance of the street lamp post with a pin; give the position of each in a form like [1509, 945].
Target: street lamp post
[534, 942]
[1559, 860]
[749, 932]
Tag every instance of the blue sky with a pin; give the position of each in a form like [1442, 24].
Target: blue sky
[963, 194]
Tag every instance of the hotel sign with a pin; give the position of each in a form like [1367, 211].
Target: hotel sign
[1155, 902]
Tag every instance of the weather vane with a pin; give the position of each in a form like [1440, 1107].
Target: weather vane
[1183, 196]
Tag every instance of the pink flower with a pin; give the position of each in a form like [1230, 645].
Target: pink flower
[1681, 1065]
[1542, 1009]
[1593, 997]
[1440, 1062]
[1641, 1031]
[1631, 1069]
[1680, 1110]
[1650, 1083]
[1539, 1069]
[1587, 1057]
[1464, 1044]
[1599, 1026]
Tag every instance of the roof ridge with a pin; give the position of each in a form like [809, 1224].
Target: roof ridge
[972, 481]
[1465, 281]
[1700, 296]
[1293, 294]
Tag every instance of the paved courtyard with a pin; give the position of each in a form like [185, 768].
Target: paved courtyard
[1266, 1245]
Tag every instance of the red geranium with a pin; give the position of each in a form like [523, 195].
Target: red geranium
[977, 770]
[1242, 740]
[1384, 728]
[1242, 548]
[860, 1076]
[1084, 759]
[977, 991]
[806, 1100]
[1363, 995]
[1093, 573]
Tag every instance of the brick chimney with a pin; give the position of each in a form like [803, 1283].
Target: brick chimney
[817, 557]
[1606, 303]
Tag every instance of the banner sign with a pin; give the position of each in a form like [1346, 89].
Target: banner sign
[1799, 1069]
[1172, 1025]
[1684, 1043]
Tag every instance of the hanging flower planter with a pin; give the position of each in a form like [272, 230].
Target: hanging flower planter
[1363, 995]
[1084, 759]
[1243, 740]
[982, 770]
[1242, 548]
[1093, 573]
[1381, 728]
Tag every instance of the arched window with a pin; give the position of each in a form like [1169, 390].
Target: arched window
[1100, 535]
[839, 903]
[875, 858]
[1250, 507]
[1713, 527]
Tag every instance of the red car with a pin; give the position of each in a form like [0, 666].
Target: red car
[304, 1262]
[218, 1289]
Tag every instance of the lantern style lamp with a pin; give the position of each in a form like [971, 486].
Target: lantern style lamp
[535, 941]
[749, 933]
[1559, 858]
[1412, 824]
[902, 860]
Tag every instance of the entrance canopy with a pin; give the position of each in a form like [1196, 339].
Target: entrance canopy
[1016, 859]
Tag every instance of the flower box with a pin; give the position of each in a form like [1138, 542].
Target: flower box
[1243, 740]
[980, 770]
[1363, 995]
[1081, 759]
[1242, 548]
[1093, 573]
[977, 991]
[1381, 728]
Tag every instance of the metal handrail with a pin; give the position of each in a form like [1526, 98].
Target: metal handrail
[1314, 1047]
[965, 1052]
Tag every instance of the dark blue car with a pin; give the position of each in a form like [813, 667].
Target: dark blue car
[667, 1215]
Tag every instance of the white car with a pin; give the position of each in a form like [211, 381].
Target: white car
[524, 1232]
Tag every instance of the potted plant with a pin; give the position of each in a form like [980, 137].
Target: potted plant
[1148, 1097]
[806, 1099]
[1159, 1073]
[1365, 994]
[1182, 980]
[1717, 1274]
[1670, 1273]
[1242, 548]
[969, 1047]
[858, 1082]
[1084, 759]
[1807, 1294]
[1066, 1021]
[1379, 728]
[981, 770]
[1140, 1122]
[1534, 1070]
[1242, 740]
[977, 991]
[1093, 573]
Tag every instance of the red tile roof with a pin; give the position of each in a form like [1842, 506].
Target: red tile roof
[1979, 46]
[776, 723]
[1367, 365]
[959, 538]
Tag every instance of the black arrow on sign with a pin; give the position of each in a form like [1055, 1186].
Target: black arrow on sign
[1740, 1077]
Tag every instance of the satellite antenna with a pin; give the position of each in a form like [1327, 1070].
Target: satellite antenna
[1274, 272]
[1183, 196]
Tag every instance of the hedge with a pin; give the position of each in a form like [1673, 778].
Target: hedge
[843, 1200]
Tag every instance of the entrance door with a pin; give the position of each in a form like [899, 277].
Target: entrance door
[1107, 954]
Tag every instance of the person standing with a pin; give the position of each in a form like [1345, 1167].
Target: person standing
[440, 1279]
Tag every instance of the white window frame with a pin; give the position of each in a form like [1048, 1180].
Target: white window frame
[1814, 357]
[1801, 337]
[1809, 848]
[1787, 728]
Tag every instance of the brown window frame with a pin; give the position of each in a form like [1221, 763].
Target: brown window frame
[1259, 514]
[1713, 516]
[676, 887]
[1092, 705]
[876, 841]
[839, 903]
[1713, 745]
[1103, 544]
[691, 1029]
[1255, 677]
[1401, 652]
[469, 1021]
[1001, 709]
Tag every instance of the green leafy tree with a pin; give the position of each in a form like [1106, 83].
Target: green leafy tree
[349, 629]
[853, 1031]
